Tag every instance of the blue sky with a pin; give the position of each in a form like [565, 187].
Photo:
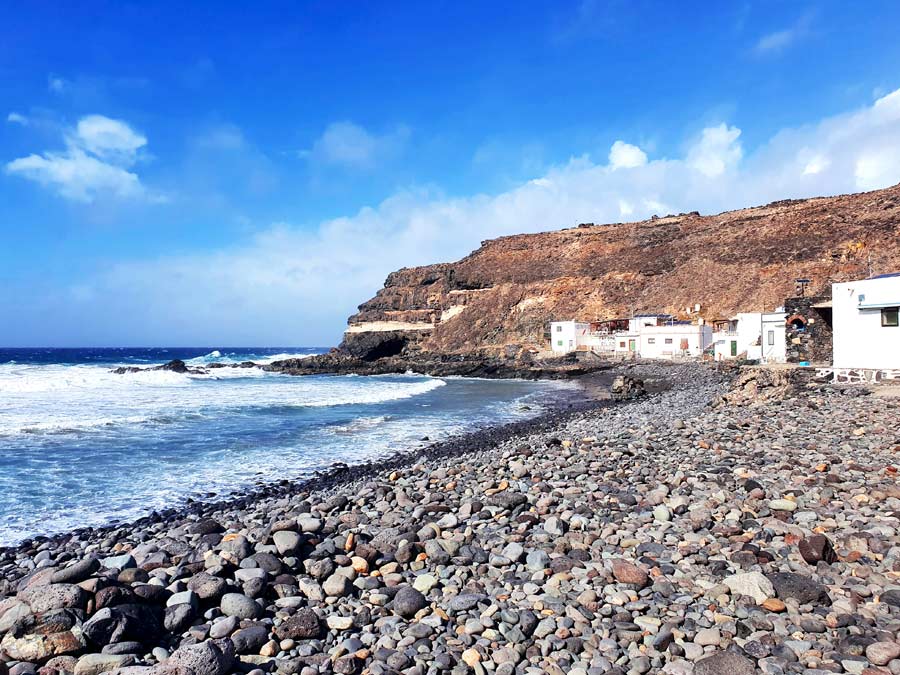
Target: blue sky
[216, 174]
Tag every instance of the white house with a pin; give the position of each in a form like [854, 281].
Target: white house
[567, 336]
[674, 339]
[640, 321]
[650, 336]
[865, 323]
[753, 335]
[774, 345]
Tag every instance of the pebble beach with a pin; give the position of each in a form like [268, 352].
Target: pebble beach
[717, 527]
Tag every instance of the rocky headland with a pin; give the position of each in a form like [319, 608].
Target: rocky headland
[701, 529]
[499, 299]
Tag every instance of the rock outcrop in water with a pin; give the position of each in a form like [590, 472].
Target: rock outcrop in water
[505, 293]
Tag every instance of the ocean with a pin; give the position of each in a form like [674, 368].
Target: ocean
[80, 445]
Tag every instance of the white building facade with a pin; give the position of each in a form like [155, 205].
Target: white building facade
[568, 336]
[673, 340]
[865, 324]
[756, 336]
[647, 336]
[774, 340]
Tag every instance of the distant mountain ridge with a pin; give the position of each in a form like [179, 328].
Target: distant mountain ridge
[505, 293]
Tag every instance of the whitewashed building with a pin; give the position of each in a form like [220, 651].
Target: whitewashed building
[758, 336]
[866, 327]
[774, 341]
[652, 336]
[568, 336]
[674, 339]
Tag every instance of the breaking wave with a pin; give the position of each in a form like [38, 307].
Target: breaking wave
[62, 399]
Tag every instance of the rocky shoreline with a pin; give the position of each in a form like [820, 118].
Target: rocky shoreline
[338, 361]
[685, 532]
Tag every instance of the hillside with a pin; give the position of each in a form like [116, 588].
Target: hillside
[507, 291]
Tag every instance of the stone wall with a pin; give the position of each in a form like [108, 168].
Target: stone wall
[808, 331]
[859, 375]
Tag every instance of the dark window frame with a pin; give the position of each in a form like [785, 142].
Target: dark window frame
[895, 321]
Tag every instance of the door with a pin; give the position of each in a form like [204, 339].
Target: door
[632, 345]
[734, 347]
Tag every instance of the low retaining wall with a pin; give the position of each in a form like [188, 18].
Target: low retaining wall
[859, 375]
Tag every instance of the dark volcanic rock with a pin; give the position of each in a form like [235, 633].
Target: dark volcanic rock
[724, 663]
[142, 623]
[817, 548]
[304, 625]
[408, 601]
[790, 585]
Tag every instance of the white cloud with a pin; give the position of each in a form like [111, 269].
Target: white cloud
[350, 145]
[626, 156]
[109, 139]
[717, 150]
[816, 164]
[57, 85]
[291, 284]
[99, 151]
[778, 41]
[17, 118]
[77, 175]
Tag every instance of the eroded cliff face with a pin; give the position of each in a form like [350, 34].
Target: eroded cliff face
[505, 293]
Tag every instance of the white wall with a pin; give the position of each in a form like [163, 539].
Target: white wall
[660, 342]
[565, 336]
[860, 341]
[774, 349]
[638, 323]
[624, 342]
[752, 336]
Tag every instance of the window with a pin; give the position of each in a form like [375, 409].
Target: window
[890, 316]
[622, 345]
[651, 341]
[668, 341]
[559, 343]
[771, 337]
[559, 329]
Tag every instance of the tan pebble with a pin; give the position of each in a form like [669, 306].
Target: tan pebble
[774, 605]
[471, 657]
[359, 564]
[348, 546]
[269, 649]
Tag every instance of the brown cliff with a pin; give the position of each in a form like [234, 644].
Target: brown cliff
[507, 291]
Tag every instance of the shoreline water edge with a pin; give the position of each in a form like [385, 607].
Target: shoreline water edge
[592, 392]
[733, 523]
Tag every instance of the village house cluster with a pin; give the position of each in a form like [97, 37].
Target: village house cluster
[852, 333]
